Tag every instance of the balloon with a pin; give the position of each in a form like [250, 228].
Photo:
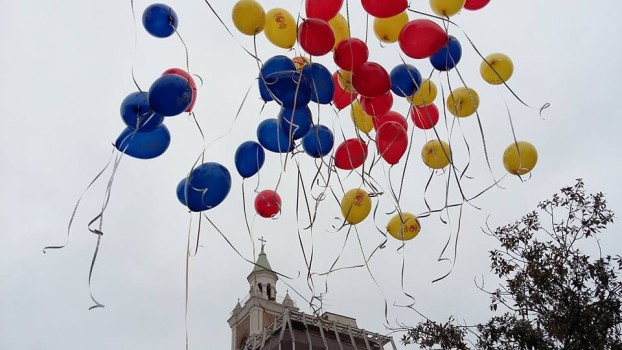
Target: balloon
[405, 80]
[424, 117]
[295, 123]
[280, 28]
[391, 141]
[137, 114]
[362, 120]
[384, 8]
[436, 154]
[144, 145]
[376, 106]
[340, 28]
[170, 95]
[520, 158]
[181, 191]
[475, 4]
[341, 97]
[289, 89]
[421, 38]
[371, 80]
[187, 76]
[275, 64]
[316, 36]
[272, 138]
[345, 80]
[248, 17]
[350, 53]
[498, 70]
[207, 186]
[324, 9]
[350, 154]
[321, 82]
[448, 56]
[160, 20]
[355, 206]
[404, 226]
[249, 158]
[462, 102]
[388, 29]
[446, 8]
[318, 142]
[425, 94]
[267, 203]
[390, 116]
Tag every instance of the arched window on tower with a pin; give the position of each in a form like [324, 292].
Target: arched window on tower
[269, 292]
[260, 288]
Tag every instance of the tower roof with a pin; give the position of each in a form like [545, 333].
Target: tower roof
[262, 262]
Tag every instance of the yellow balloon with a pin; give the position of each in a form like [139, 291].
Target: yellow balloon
[388, 29]
[362, 120]
[462, 102]
[425, 95]
[436, 154]
[520, 158]
[355, 206]
[340, 28]
[404, 227]
[498, 69]
[446, 8]
[280, 28]
[344, 78]
[248, 17]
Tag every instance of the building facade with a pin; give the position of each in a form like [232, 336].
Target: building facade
[264, 321]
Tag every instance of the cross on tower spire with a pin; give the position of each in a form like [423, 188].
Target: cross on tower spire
[263, 241]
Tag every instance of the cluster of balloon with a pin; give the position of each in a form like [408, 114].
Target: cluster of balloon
[367, 87]
[171, 94]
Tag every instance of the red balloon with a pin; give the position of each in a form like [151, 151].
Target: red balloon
[384, 8]
[350, 54]
[475, 4]
[267, 203]
[350, 154]
[371, 80]
[316, 36]
[421, 38]
[342, 98]
[193, 85]
[424, 117]
[323, 9]
[377, 106]
[392, 141]
[390, 117]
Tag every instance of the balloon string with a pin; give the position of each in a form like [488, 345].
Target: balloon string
[75, 208]
[135, 46]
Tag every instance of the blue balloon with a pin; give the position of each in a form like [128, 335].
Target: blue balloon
[170, 95]
[207, 186]
[405, 80]
[318, 142]
[249, 158]
[160, 20]
[144, 145]
[181, 191]
[272, 138]
[289, 88]
[278, 63]
[448, 56]
[295, 122]
[137, 114]
[321, 82]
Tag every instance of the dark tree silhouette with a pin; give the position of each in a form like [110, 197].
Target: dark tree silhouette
[552, 294]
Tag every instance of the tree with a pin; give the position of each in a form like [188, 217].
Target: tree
[554, 296]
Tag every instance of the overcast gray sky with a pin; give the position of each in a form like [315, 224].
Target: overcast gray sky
[66, 66]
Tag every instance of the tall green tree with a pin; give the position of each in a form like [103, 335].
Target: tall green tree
[552, 295]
